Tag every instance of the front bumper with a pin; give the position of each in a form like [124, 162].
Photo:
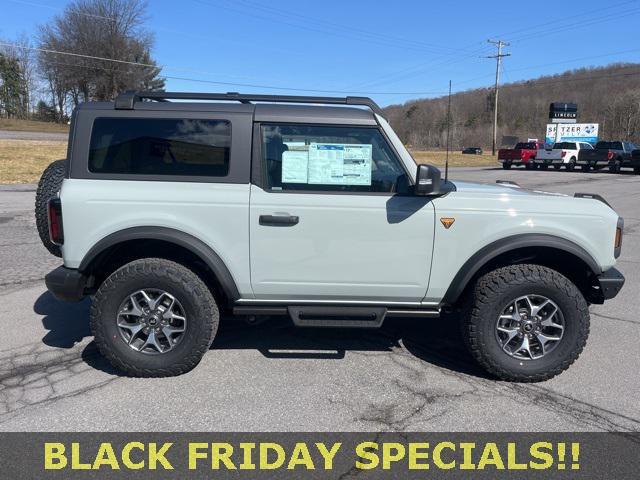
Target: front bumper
[66, 284]
[610, 283]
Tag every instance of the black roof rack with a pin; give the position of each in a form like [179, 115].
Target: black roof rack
[127, 100]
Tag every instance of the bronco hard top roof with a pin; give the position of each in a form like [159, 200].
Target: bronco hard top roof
[270, 107]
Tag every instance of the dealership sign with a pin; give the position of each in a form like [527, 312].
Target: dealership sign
[563, 112]
[572, 132]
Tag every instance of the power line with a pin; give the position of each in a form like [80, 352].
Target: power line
[71, 11]
[316, 25]
[90, 57]
[333, 25]
[287, 88]
[248, 85]
[563, 21]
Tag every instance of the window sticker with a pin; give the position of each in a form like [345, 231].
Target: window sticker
[340, 164]
[295, 164]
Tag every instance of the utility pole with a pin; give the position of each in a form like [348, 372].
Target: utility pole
[499, 44]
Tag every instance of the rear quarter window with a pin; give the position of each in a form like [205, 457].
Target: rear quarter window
[143, 146]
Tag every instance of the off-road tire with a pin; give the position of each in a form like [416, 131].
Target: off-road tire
[496, 289]
[48, 187]
[615, 166]
[199, 305]
[506, 166]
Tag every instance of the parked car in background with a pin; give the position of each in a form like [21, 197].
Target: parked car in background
[522, 154]
[615, 155]
[561, 153]
[472, 150]
[635, 161]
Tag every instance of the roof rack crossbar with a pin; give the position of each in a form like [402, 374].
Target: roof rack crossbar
[127, 100]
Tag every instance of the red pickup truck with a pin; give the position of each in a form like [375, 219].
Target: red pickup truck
[521, 154]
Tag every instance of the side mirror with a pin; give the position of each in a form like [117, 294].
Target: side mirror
[427, 181]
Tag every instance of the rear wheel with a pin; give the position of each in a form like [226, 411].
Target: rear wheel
[557, 167]
[506, 166]
[48, 187]
[528, 323]
[615, 166]
[636, 170]
[544, 166]
[586, 167]
[529, 166]
[153, 318]
[571, 166]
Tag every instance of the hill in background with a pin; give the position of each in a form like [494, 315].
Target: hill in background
[608, 95]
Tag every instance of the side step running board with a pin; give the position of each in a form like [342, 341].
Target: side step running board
[347, 317]
[335, 316]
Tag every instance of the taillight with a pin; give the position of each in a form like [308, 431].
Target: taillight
[610, 155]
[54, 210]
[617, 247]
[563, 154]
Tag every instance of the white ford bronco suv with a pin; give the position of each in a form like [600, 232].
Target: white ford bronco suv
[168, 212]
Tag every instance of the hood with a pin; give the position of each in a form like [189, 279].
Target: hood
[499, 189]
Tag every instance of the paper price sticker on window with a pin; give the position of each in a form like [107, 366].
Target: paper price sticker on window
[340, 164]
[295, 164]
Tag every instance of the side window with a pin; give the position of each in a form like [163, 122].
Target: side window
[138, 146]
[330, 158]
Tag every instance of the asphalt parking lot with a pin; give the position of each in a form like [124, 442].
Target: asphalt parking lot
[411, 375]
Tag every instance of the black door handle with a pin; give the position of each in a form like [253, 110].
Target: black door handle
[278, 220]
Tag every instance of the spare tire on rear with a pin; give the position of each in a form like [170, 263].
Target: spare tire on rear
[48, 187]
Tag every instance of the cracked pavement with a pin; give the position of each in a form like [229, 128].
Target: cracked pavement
[412, 375]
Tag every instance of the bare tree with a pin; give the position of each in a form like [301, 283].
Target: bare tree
[112, 51]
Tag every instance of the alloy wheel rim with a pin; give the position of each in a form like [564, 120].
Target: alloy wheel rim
[151, 321]
[530, 327]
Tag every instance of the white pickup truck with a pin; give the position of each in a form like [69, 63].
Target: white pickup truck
[562, 153]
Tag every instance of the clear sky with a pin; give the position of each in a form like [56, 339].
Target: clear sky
[392, 51]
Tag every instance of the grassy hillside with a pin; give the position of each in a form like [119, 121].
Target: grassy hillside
[609, 96]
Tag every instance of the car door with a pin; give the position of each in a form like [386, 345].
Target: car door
[332, 218]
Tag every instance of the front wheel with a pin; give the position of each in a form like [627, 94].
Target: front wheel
[586, 167]
[636, 170]
[528, 323]
[544, 166]
[153, 318]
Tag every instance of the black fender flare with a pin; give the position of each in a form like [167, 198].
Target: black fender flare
[170, 235]
[515, 242]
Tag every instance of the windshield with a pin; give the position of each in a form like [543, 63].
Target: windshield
[609, 146]
[565, 146]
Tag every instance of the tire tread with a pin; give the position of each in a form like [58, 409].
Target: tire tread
[176, 272]
[493, 284]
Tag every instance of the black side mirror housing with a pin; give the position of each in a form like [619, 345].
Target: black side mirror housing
[427, 181]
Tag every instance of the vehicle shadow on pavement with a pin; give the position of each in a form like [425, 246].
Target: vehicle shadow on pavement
[67, 323]
[434, 341]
